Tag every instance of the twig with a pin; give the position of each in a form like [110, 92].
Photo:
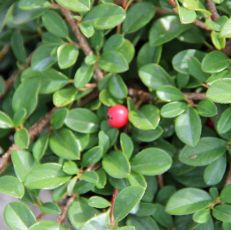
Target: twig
[112, 218]
[62, 217]
[83, 43]
[160, 181]
[212, 8]
[34, 131]
[4, 51]
[195, 96]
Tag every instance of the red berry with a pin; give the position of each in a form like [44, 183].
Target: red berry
[117, 116]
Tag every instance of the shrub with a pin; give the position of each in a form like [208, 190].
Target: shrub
[165, 164]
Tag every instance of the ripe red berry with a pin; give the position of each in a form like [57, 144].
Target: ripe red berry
[117, 116]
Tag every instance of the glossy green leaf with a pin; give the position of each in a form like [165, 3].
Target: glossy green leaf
[186, 16]
[67, 55]
[166, 29]
[188, 127]
[63, 144]
[98, 202]
[76, 5]
[22, 162]
[117, 87]
[18, 216]
[225, 194]
[82, 120]
[173, 109]
[126, 200]
[226, 29]
[187, 201]
[11, 186]
[5, 121]
[105, 16]
[116, 165]
[126, 144]
[224, 122]
[154, 76]
[222, 212]
[138, 16]
[22, 139]
[147, 118]
[83, 75]
[220, 91]
[46, 176]
[208, 150]
[206, 108]
[54, 23]
[169, 93]
[215, 62]
[46, 225]
[151, 161]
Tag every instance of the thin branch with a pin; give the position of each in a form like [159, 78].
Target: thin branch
[212, 8]
[195, 96]
[4, 52]
[34, 131]
[160, 181]
[83, 43]
[62, 217]
[112, 218]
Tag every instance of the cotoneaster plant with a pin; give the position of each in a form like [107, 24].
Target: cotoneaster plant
[119, 111]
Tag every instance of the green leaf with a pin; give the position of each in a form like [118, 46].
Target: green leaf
[55, 24]
[17, 44]
[64, 97]
[79, 6]
[215, 62]
[50, 208]
[225, 194]
[92, 156]
[113, 62]
[208, 150]
[67, 55]
[20, 98]
[22, 139]
[79, 212]
[166, 29]
[138, 16]
[147, 118]
[154, 76]
[105, 16]
[224, 122]
[187, 201]
[51, 80]
[82, 120]
[116, 165]
[173, 109]
[100, 222]
[126, 200]
[140, 223]
[222, 212]
[202, 216]
[188, 127]
[5, 121]
[126, 144]
[148, 54]
[117, 87]
[63, 144]
[46, 225]
[42, 58]
[98, 202]
[70, 168]
[40, 147]
[215, 171]
[186, 16]
[220, 91]
[207, 108]
[169, 93]
[181, 61]
[151, 161]
[83, 75]
[46, 176]
[10, 185]
[18, 216]
[226, 29]
[57, 118]
[218, 41]
[22, 162]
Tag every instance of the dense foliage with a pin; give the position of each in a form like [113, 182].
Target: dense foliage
[63, 63]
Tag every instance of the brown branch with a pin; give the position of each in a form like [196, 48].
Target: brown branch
[34, 131]
[212, 8]
[4, 51]
[83, 43]
[62, 217]
[195, 96]
[172, 3]
[112, 218]
[160, 181]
